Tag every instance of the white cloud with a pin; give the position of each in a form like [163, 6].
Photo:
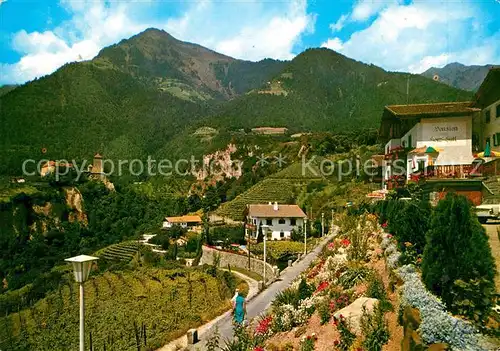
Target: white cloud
[333, 44]
[418, 36]
[249, 30]
[364, 9]
[337, 26]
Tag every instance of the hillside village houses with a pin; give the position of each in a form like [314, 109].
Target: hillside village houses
[281, 219]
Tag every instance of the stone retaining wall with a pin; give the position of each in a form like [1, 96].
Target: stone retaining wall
[235, 260]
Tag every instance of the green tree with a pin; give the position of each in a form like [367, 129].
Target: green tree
[457, 249]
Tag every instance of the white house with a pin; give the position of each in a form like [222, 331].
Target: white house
[190, 222]
[281, 219]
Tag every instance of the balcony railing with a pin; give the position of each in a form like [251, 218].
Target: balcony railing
[444, 172]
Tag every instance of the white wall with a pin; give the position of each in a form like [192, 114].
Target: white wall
[453, 136]
[277, 228]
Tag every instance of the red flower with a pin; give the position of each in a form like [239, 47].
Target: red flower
[389, 236]
[384, 225]
[264, 325]
[336, 343]
[335, 321]
[345, 242]
[258, 348]
[332, 305]
[322, 286]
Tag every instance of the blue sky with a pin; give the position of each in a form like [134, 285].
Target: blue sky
[39, 36]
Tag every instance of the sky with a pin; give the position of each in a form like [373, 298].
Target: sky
[39, 36]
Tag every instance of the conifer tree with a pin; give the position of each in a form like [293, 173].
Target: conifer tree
[457, 249]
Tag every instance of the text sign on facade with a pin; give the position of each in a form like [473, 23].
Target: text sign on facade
[453, 133]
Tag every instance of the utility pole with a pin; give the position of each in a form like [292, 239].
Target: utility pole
[332, 221]
[408, 90]
[305, 237]
[322, 224]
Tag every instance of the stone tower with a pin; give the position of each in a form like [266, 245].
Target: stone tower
[97, 165]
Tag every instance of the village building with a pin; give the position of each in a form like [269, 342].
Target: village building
[488, 100]
[431, 143]
[187, 222]
[270, 130]
[50, 167]
[281, 219]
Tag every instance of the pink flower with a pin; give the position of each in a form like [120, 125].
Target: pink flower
[258, 348]
[384, 225]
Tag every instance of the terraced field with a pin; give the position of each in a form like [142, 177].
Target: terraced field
[282, 187]
[125, 310]
[124, 251]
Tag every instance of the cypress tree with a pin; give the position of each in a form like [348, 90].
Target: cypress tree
[457, 249]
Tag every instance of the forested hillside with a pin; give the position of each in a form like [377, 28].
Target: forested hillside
[149, 95]
[322, 90]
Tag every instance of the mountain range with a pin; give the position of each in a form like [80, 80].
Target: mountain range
[148, 95]
[459, 76]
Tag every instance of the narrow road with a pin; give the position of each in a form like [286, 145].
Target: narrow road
[263, 301]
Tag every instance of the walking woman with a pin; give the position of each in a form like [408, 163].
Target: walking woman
[240, 309]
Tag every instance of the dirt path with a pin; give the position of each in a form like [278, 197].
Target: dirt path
[491, 230]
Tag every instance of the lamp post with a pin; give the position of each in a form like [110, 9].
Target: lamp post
[305, 237]
[81, 268]
[265, 228]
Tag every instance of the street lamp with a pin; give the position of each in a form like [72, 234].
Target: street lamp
[305, 237]
[81, 268]
[265, 228]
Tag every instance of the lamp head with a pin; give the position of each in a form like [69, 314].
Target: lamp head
[81, 266]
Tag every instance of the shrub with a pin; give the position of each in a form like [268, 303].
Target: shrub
[162, 239]
[457, 250]
[355, 274]
[305, 290]
[375, 330]
[346, 336]
[376, 290]
[410, 224]
[288, 296]
[324, 312]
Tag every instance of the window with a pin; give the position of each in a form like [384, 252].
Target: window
[487, 116]
[498, 139]
[281, 221]
[498, 111]
[409, 141]
[254, 221]
[269, 221]
[421, 165]
[293, 221]
[495, 140]
[282, 234]
[487, 140]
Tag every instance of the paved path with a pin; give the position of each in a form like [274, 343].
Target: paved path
[253, 290]
[261, 302]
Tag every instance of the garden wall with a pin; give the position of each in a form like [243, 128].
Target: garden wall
[235, 260]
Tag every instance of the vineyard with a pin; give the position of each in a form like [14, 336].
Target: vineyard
[134, 310]
[124, 251]
[282, 187]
